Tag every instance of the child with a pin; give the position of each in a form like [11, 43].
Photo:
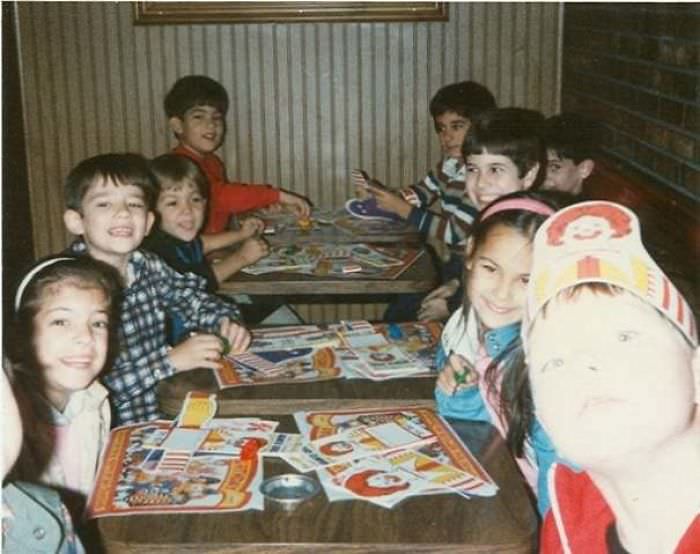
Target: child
[438, 206]
[33, 517]
[503, 153]
[615, 374]
[571, 141]
[484, 377]
[180, 210]
[109, 202]
[196, 107]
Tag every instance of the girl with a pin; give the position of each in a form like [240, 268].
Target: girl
[484, 376]
[64, 307]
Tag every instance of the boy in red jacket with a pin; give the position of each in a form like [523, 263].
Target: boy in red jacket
[614, 367]
[196, 107]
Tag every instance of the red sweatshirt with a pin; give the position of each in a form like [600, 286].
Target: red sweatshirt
[579, 517]
[227, 198]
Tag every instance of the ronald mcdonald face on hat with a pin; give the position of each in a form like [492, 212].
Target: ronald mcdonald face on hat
[611, 344]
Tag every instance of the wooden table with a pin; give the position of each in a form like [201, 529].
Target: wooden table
[421, 276]
[290, 397]
[504, 523]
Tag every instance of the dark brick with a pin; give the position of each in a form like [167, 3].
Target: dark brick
[668, 168]
[671, 111]
[631, 46]
[657, 135]
[685, 86]
[691, 180]
[646, 103]
[650, 49]
[682, 145]
[641, 75]
[691, 118]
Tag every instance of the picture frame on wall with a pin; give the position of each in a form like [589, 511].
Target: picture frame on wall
[147, 13]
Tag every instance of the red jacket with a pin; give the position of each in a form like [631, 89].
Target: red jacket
[579, 517]
[227, 198]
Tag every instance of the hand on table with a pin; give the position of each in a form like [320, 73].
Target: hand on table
[199, 350]
[252, 250]
[299, 205]
[238, 337]
[252, 226]
[390, 201]
[435, 305]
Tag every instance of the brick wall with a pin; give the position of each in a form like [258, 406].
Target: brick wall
[636, 68]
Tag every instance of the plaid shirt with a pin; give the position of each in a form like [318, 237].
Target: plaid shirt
[154, 289]
[452, 224]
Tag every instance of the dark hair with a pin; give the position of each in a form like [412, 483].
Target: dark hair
[82, 272]
[573, 136]
[195, 90]
[511, 132]
[515, 400]
[121, 169]
[176, 169]
[466, 98]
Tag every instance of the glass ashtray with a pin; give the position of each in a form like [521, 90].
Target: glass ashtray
[289, 490]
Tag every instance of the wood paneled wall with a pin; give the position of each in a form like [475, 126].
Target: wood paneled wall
[308, 101]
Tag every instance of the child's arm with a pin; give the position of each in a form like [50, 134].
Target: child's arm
[390, 201]
[436, 306]
[250, 252]
[249, 227]
[300, 205]
[452, 222]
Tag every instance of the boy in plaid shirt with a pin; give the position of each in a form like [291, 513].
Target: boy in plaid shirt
[109, 204]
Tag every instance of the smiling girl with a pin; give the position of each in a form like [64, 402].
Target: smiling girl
[484, 377]
[64, 310]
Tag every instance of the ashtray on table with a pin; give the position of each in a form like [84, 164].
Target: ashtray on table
[289, 490]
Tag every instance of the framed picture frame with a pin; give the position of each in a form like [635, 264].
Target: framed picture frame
[148, 13]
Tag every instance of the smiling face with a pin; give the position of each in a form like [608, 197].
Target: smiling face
[492, 175]
[70, 338]
[499, 270]
[201, 129]
[181, 209]
[607, 387]
[112, 221]
[451, 129]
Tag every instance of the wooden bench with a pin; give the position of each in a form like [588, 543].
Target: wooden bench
[669, 220]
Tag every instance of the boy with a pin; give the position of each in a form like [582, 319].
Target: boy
[109, 205]
[503, 154]
[180, 209]
[438, 206]
[571, 141]
[615, 373]
[196, 107]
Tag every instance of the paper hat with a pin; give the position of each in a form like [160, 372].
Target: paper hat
[600, 242]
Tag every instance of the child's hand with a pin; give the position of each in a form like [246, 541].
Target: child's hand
[237, 336]
[252, 250]
[435, 309]
[390, 202]
[252, 226]
[456, 373]
[200, 350]
[299, 204]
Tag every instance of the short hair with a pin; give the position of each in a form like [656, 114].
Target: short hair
[511, 132]
[122, 169]
[176, 169]
[572, 136]
[195, 90]
[466, 98]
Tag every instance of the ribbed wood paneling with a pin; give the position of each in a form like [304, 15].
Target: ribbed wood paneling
[308, 101]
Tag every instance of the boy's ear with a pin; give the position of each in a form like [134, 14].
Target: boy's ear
[74, 222]
[585, 168]
[530, 176]
[150, 220]
[175, 124]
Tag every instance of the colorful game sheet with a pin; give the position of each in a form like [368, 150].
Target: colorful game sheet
[441, 465]
[164, 467]
[350, 349]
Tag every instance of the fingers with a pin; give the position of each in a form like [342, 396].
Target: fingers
[238, 336]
